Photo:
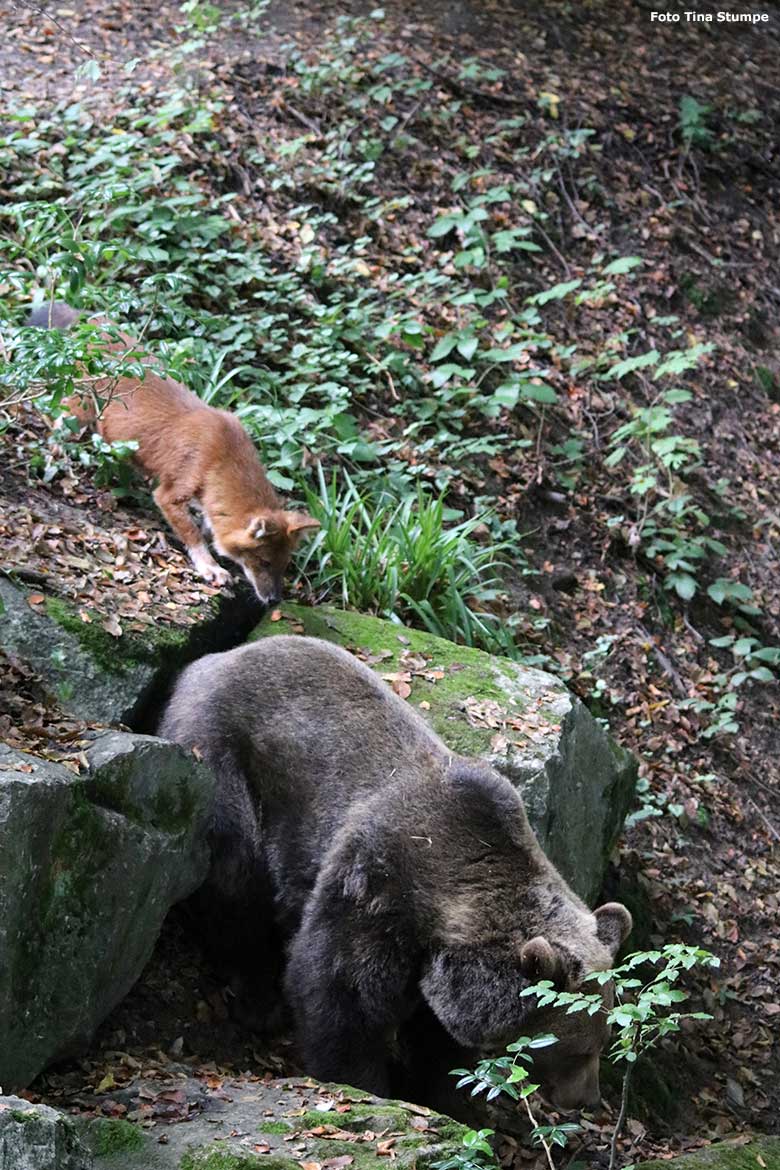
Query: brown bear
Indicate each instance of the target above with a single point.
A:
(386, 874)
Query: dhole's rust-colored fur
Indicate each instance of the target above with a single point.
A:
(198, 455)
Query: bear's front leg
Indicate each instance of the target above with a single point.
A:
(349, 976)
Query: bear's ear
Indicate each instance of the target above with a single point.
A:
(538, 960)
(613, 925)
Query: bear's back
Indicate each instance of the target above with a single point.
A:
(313, 731)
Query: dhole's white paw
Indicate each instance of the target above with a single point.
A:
(217, 575)
(206, 567)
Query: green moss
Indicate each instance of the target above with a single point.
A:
(275, 1127)
(451, 1131)
(91, 636)
(358, 1118)
(116, 655)
(110, 1135)
(221, 1157)
(24, 1115)
(725, 1156)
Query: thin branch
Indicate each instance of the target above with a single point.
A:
(389, 376)
(49, 16)
(621, 1116)
(535, 1124)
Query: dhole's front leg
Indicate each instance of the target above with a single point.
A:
(175, 511)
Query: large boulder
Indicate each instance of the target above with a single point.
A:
(35, 1137)
(90, 864)
(108, 669)
(267, 1125)
(577, 783)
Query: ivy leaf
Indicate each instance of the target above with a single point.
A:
(621, 265)
(628, 365)
(683, 584)
(467, 346)
(556, 293)
(444, 346)
(724, 589)
(443, 225)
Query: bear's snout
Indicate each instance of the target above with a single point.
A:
(579, 1089)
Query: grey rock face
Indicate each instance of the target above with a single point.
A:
(89, 867)
(35, 1137)
(101, 678)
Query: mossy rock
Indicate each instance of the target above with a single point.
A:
(577, 783)
(89, 866)
(105, 679)
(758, 1152)
(35, 1136)
(279, 1125)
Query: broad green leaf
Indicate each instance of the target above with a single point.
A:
(683, 584)
(628, 365)
(444, 346)
(556, 293)
(538, 392)
(621, 265)
(724, 589)
(443, 225)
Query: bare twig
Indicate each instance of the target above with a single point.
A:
(535, 1124)
(665, 663)
(388, 375)
(465, 91)
(49, 16)
(764, 818)
(562, 259)
(621, 1115)
(301, 117)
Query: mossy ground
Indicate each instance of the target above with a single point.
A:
(113, 1135)
(220, 1157)
(759, 1152)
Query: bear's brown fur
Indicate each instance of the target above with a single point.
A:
(396, 874)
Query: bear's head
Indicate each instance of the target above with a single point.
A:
(568, 1071)
(475, 993)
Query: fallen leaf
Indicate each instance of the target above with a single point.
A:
(111, 626)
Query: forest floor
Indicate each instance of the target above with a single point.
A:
(702, 212)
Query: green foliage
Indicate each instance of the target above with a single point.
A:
(508, 1075)
(641, 1015)
(402, 561)
(750, 665)
(476, 1153)
(639, 1018)
(693, 122)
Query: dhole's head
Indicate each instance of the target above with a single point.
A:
(263, 549)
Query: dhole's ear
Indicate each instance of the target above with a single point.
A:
(297, 523)
(613, 925)
(262, 526)
(538, 960)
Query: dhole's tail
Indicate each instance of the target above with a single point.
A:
(53, 315)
